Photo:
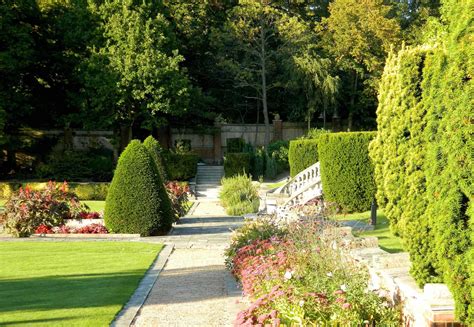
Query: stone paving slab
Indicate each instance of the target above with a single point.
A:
(194, 288)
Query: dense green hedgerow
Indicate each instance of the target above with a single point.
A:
(236, 163)
(423, 154)
(136, 202)
(302, 154)
(347, 172)
(180, 166)
(238, 195)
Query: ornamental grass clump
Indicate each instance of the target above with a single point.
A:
(239, 195)
(305, 278)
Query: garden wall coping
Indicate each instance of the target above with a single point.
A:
(432, 305)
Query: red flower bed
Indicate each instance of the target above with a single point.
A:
(89, 215)
(63, 229)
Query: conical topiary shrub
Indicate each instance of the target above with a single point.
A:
(135, 202)
(154, 148)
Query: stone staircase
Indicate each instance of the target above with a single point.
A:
(208, 181)
(302, 188)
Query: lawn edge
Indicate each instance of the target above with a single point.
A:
(128, 313)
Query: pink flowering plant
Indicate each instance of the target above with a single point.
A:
(304, 278)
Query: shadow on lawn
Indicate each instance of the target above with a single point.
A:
(101, 290)
(67, 291)
(37, 321)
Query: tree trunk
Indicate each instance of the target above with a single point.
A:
(125, 136)
(264, 89)
(352, 103)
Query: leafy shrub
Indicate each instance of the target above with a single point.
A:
(77, 165)
(278, 151)
(236, 163)
(238, 195)
(90, 191)
(302, 154)
(271, 168)
(84, 191)
(26, 209)
(423, 155)
(180, 167)
(257, 163)
(137, 202)
(178, 194)
(235, 145)
(156, 151)
(347, 172)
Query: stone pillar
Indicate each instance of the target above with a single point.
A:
(277, 129)
(217, 143)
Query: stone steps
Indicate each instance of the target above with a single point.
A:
(208, 181)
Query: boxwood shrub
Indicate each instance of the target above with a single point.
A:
(347, 172)
(156, 152)
(302, 154)
(137, 202)
(180, 166)
(236, 163)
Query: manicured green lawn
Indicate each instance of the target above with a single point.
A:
(387, 241)
(69, 283)
(96, 206)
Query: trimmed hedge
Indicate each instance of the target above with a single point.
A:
(155, 149)
(423, 154)
(137, 202)
(347, 173)
(302, 154)
(236, 163)
(180, 167)
(85, 191)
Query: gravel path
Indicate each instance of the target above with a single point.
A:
(194, 288)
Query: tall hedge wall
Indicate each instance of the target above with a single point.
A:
(423, 155)
(347, 172)
(302, 154)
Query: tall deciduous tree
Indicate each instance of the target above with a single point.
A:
(261, 47)
(142, 65)
(358, 34)
(19, 22)
(246, 50)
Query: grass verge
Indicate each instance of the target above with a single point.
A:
(387, 240)
(69, 283)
